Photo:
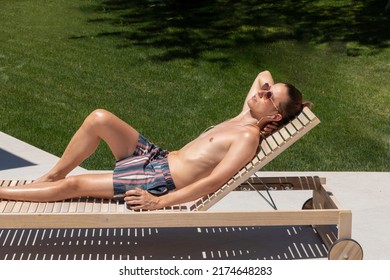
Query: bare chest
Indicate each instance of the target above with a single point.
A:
(214, 143)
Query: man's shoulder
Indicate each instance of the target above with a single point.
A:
(247, 136)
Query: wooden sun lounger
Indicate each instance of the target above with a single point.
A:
(322, 211)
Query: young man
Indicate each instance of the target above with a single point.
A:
(147, 177)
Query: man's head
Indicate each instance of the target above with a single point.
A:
(294, 104)
(280, 102)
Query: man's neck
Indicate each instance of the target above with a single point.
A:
(247, 118)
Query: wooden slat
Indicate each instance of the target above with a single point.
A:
(17, 207)
(25, 207)
(278, 138)
(49, 207)
(265, 148)
(97, 205)
(104, 208)
(303, 119)
(73, 206)
(57, 206)
(65, 206)
(3, 204)
(284, 133)
(291, 129)
(80, 206)
(41, 207)
(261, 155)
(33, 207)
(271, 143)
(4, 183)
(88, 205)
(8, 208)
(114, 206)
(297, 124)
(309, 114)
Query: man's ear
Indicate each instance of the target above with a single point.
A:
(278, 117)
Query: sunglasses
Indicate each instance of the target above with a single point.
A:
(269, 95)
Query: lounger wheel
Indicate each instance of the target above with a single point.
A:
(308, 205)
(345, 249)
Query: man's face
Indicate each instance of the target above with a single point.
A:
(267, 101)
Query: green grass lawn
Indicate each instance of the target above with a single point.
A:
(171, 69)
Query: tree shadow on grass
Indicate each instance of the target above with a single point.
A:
(190, 29)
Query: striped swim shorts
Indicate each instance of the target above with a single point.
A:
(147, 169)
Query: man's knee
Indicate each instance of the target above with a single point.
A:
(64, 189)
(71, 184)
(98, 118)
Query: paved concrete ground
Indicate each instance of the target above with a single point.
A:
(366, 194)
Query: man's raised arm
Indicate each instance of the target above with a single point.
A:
(262, 78)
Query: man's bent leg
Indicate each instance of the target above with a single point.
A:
(99, 125)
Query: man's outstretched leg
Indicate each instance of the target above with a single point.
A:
(93, 185)
(99, 125)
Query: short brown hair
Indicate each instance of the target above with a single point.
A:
(294, 105)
